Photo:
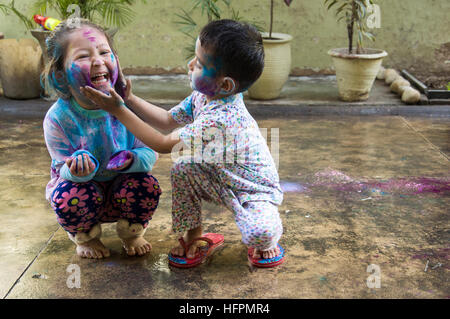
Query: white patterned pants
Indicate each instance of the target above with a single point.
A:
(258, 221)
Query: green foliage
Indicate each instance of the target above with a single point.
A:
(8, 9)
(108, 12)
(209, 10)
(355, 14)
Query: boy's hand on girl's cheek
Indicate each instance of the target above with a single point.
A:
(128, 94)
(123, 85)
(110, 103)
(81, 165)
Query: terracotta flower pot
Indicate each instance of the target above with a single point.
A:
(20, 67)
(277, 66)
(355, 73)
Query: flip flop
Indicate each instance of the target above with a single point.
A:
(266, 262)
(214, 241)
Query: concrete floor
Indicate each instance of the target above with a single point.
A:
(356, 195)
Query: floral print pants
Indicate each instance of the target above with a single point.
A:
(258, 221)
(80, 206)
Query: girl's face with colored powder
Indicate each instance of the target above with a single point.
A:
(203, 72)
(89, 61)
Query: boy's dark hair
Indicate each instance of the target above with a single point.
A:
(237, 47)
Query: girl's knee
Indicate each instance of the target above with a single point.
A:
(76, 204)
(137, 197)
(136, 183)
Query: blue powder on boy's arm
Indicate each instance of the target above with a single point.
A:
(183, 112)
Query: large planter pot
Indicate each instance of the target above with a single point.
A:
(355, 73)
(20, 67)
(277, 66)
(41, 35)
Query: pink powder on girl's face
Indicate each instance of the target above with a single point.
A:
(88, 35)
(89, 53)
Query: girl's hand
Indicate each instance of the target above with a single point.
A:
(111, 103)
(80, 166)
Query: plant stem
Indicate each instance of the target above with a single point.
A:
(350, 28)
(271, 18)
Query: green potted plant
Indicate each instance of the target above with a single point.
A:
(213, 10)
(107, 13)
(277, 66)
(20, 61)
(356, 70)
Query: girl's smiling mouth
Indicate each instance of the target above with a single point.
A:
(100, 79)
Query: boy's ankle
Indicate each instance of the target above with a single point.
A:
(194, 233)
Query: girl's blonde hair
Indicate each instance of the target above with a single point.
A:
(53, 76)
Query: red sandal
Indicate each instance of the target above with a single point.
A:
(214, 241)
(266, 263)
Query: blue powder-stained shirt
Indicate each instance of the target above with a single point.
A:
(70, 130)
(224, 135)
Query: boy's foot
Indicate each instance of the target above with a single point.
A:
(179, 250)
(266, 254)
(190, 236)
(212, 242)
(92, 249)
(136, 245)
(266, 259)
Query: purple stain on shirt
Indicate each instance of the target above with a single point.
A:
(118, 159)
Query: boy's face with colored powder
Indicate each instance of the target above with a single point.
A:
(203, 72)
(89, 61)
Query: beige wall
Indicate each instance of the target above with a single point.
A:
(416, 34)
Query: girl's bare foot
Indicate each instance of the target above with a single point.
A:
(92, 249)
(271, 253)
(190, 235)
(136, 245)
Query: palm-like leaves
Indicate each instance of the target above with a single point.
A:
(212, 9)
(355, 13)
(110, 12)
(7, 9)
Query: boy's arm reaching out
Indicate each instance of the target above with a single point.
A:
(149, 113)
(148, 135)
(152, 114)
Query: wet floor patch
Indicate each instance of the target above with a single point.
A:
(357, 192)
